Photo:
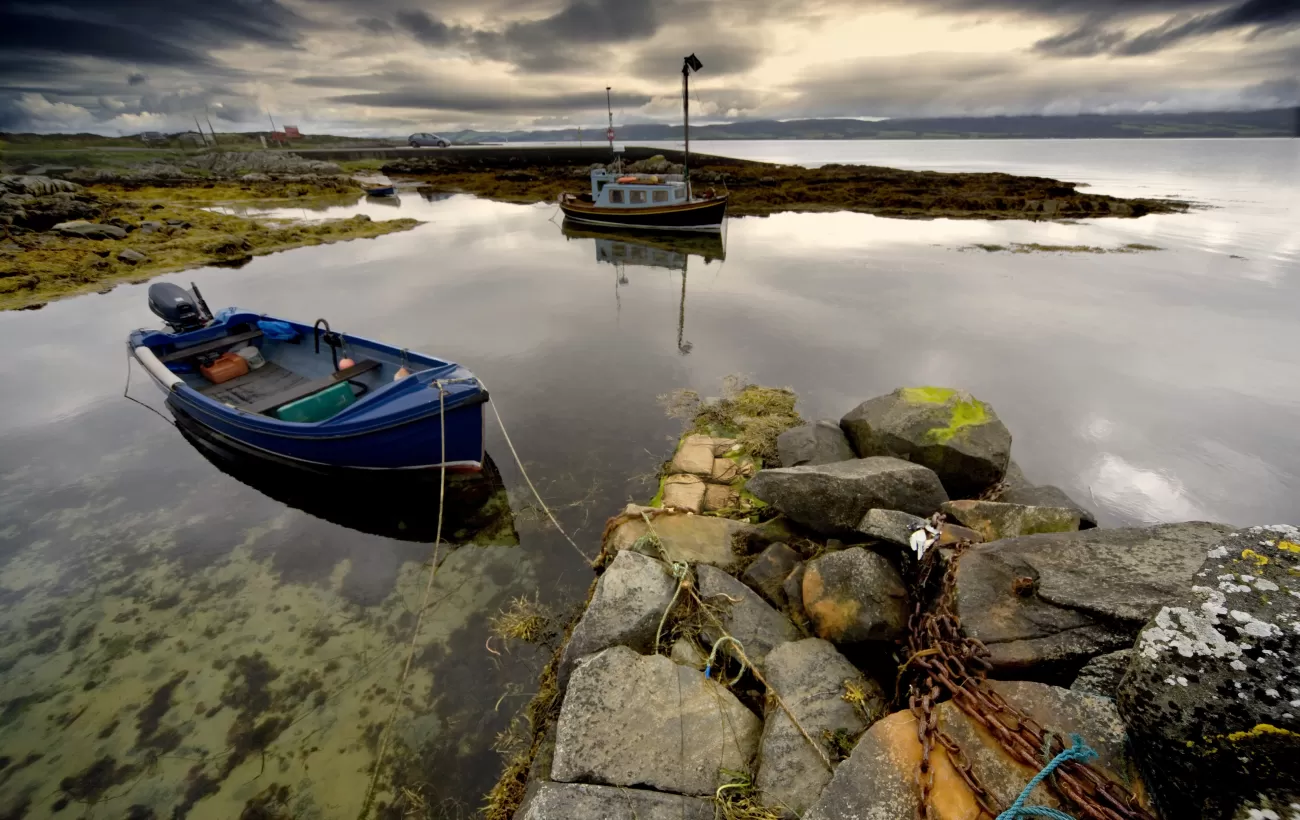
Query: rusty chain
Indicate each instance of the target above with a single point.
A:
(941, 659)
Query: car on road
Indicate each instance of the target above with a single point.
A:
(421, 140)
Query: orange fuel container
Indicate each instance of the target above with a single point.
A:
(225, 368)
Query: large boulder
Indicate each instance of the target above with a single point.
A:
(1050, 602)
(949, 431)
(1212, 696)
(1046, 496)
(624, 718)
(833, 498)
(812, 678)
(1102, 674)
(767, 574)
(580, 801)
(89, 230)
(820, 442)
(629, 602)
(878, 781)
(691, 539)
(36, 185)
(855, 595)
(743, 615)
(995, 520)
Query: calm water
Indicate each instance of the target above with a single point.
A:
(172, 638)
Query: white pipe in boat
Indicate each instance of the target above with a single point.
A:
(156, 368)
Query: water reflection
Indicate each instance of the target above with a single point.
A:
(653, 250)
(394, 504)
(388, 201)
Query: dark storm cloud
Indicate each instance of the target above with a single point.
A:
(720, 59)
(136, 79)
(1260, 15)
(427, 30)
(478, 102)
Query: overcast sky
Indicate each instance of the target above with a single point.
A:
(397, 66)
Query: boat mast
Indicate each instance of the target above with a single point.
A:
(610, 133)
(689, 64)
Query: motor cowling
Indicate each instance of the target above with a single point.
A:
(176, 306)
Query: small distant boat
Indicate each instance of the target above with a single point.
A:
(387, 190)
(643, 201)
(268, 385)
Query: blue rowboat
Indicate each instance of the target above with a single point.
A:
(300, 401)
(387, 190)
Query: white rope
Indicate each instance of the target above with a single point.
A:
(524, 473)
(419, 615)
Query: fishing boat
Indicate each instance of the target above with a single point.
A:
(306, 394)
(653, 202)
(382, 191)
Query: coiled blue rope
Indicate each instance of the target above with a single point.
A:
(1078, 751)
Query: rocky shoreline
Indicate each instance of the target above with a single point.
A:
(764, 640)
(72, 230)
(761, 189)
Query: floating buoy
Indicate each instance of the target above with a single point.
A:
(344, 364)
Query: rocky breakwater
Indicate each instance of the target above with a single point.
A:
(882, 613)
(89, 228)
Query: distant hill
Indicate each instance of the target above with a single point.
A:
(1281, 122)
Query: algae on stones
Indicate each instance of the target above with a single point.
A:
(966, 410)
(751, 414)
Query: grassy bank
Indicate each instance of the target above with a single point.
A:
(760, 189)
(38, 267)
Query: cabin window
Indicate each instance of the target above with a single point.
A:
(636, 197)
(616, 195)
(660, 196)
(681, 193)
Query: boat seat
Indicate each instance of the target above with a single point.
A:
(209, 347)
(302, 391)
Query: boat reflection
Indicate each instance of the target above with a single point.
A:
(654, 250)
(395, 504)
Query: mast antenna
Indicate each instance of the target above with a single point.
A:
(689, 64)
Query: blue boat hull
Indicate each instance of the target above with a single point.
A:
(429, 419)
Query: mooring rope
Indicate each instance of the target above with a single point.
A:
(1079, 752)
(419, 615)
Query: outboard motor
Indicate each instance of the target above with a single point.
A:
(182, 310)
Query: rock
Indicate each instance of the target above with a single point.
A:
(744, 616)
(180, 224)
(1015, 479)
(767, 574)
(878, 781)
(725, 471)
(810, 676)
(89, 230)
(949, 431)
(626, 608)
(693, 539)
(150, 225)
(821, 442)
(1269, 806)
(1101, 675)
(255, 177)
(833, 498)
(36, 185)
(720, 497)
(684, 492)
(950, 534)
(1047, 496)
(579, 801)
(1212, 696)
(624, 717)
(793, 589)
(995, 520)
(1050, 602)
(891, 525)
(695, 456)
(131, 256)
(855, 595)
(686, 653)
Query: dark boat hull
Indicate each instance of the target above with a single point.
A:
(690, 216)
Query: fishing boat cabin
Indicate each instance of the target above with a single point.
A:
(656, 202)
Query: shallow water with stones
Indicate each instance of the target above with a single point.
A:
(187, 637)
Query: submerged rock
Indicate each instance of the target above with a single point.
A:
(1046, 496)
(626, 608)
(821, 442)
(1101, 675)
(692, 539)
(579, 801)
(855, 595)
(1050, 602)
(833, 498)
(878, 781)
(745, 616)
(811, 677)
(995, 520)
(949, 431)
(767, 574)
(1212, 696)
(624, 718)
